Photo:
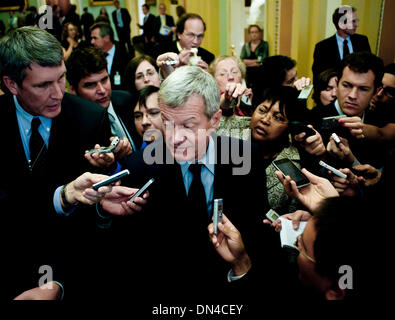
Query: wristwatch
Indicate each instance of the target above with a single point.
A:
(67, 206)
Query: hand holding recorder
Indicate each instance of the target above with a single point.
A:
(102, 156)
(296, 217)
(80, 190)
(230, 246)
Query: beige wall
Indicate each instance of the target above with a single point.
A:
(387, 43)
(209, 11)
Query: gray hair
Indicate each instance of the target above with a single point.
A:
(187, 81)
(25, 46)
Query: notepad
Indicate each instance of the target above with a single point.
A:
(287, 234)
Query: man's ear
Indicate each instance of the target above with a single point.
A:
(11, 85)
(215, 119)
(335, 294)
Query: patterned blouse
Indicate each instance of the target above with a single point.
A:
(234, 126)
(278, 199)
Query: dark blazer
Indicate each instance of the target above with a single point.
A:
(326, 52)
(123, 103)
(34, 234)
(170, 23)
(149, 27)
(126, 19)
(206, 55)
(173, 255)
(121, 59)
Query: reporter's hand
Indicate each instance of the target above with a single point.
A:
(202, 65)
(49, 291)
(355, 125)
(276, 224)
(117, 201)
(346, 186)
(311, 195)
(161, 63)
(368, 169)
(124, 148)
(341, 151)
(296, 217)
(233, 90)
(301, 83)
(80, 190)
(100, 159)
(184, 56)
(229, 245)
(313, 144)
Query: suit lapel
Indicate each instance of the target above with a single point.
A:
(16, 138)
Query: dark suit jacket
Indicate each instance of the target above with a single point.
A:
(149, 27)
(206, 55)
(326, 52)
(126, 19)
(170, 23)
(123, 103)
(173, 257)
(121, 59)
(35, 235)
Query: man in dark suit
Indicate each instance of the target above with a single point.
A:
(192, 167)
(46, 135)
(87, 21)
(88, 78)
(329, 52)
(148, 25)
(190, 33)
(122, 19)
(102, 38)
(32, 17)
(164, 27)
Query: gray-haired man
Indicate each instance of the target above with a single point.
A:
(46, 135)
(191, 166)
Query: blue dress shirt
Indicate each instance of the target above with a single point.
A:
(340, 41)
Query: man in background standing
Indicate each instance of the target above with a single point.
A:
(122, 19)
(329, 52)
(164, 25)
(87, 21)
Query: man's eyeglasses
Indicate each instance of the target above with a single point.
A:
(388, 91)
(302, 252)
(192, 36)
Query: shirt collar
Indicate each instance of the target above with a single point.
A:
(111, 52)
(26, 118)
(341, 40)
(179, 46)
(111, 108)
(208, 160)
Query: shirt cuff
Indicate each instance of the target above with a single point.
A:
(232, 277)
(356, 162)
(61, 288)
(58, 205)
